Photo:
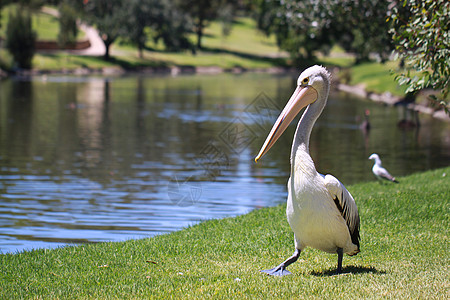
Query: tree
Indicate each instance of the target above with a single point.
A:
(20, 38)
(305, 27)
(202, 12)
(172, 27)
(163, 18)
(110, 17)
(360, 27)
(138, 20)
(301, 27)
(68, 29)
(422, 41)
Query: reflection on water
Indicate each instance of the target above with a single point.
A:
(89, 159)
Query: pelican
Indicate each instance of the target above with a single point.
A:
(380, 172)
(320, 211)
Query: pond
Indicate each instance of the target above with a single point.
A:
(92, 159)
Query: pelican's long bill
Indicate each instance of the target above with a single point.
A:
(302, 96)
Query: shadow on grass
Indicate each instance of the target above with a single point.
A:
(87, 61)
(127, 65)
(349, 270)
(277, 61)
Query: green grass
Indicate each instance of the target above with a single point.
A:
(404, 255)
(377, 77)
(46, 26)
(245, 47)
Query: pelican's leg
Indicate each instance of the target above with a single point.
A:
(280, 270)
(340, 253)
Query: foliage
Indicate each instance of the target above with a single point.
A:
(68, 29)
(305, 27)
(171, 26)
(422, 42)
(162, 20)
(1, 6)
(301, 27)
(204, 11)
(133, 19)
(20, 38)
(404, 254)
(360, 27)
(109, 16)
(137, 21)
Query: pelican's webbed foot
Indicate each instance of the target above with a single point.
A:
(281, 269)
(277, 271)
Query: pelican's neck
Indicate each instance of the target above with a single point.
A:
(305, 126)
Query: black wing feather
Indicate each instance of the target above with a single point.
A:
(354, 234)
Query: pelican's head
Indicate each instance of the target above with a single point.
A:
(312, 84)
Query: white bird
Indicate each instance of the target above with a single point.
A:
(321, 212)
(380, 172)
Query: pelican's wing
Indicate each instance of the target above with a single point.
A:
(345, 204)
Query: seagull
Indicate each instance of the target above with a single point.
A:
(380, 172)
(320, 211)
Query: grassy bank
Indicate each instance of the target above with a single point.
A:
(404, 254)
(245, 48)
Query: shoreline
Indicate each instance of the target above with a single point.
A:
(392, 100)
(357, 90)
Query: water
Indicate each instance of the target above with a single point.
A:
(91, 159)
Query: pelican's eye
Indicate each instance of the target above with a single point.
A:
(305, 81)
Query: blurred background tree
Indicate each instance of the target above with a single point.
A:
(20, 38)
(202, 12)
(422, 41)
(360, 27)
(68, 28)
(172, 26)
(109, 17)
(140, 13)
(304, 28)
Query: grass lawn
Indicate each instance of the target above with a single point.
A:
(46, 26)
(377, 77)
(404, 254)
(245, 47)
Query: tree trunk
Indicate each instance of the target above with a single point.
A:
(106, 56)
(200, 32)
(199, 37)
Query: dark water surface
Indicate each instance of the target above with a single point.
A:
(91, 159)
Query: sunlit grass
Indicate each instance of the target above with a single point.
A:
(244, 38)
(377, 77)
(45, 25)
(245, 47)
(404, 255)
(235, 50)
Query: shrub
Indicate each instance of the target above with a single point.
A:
(20, 38)
(68, 28)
